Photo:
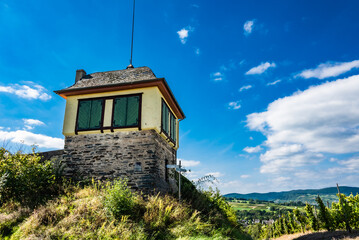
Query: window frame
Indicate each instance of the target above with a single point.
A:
(170, 113)
(139, 111)
(78, 111)
(111, 128)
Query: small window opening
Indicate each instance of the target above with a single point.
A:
(138, 167)
(166, 170)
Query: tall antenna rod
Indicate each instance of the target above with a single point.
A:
(133, 29)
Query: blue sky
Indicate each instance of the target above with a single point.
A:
(270, 88)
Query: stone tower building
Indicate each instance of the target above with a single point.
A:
(121, 124)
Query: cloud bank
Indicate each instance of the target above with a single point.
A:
(29, 139)
(302, 128)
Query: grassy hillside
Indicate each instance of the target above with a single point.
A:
(89, 213)
(37, 203)
(308, 195)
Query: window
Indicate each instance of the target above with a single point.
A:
(166, 170)
(126, 111)
(168, 122)
(138, 167)
(173, 127)
(89, 115)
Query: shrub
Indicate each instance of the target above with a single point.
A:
(25, 179)
(343, 212)
(324, 215)
(118, 199)
(213, 209)
(313, 221)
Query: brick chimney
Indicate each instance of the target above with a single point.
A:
(79, 75)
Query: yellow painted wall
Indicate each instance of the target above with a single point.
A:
(108, 112)
(150, 115)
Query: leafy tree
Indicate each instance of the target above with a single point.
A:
(255, 231)
(292, 224)
(312, 218)
(300, 218)
(25, 179)
(324, 215)
(354, 202)
(343, 213)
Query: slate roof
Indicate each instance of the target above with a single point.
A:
(131, 75)
(110, 79)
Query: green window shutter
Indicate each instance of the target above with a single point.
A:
(96, 113)
(83, 119)
(132, 111)
(126, 112)
(173, 128)
(165, 118)
(89, 115)
(120, 113)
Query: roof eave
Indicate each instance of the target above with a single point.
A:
(67, 92)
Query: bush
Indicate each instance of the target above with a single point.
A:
(119, 200)
(25, 179)
(213, 209)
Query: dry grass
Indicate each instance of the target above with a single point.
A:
(81, 214)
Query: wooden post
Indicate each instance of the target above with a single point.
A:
(179, 181)
(338, 189)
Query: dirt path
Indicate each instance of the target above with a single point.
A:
(337, 235)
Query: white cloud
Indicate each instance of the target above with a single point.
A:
(215, 174)
(34, 122)
(28, 92)
(281, 179)
(329, 69)
(245, 176)
(252, 149)
(217, 76)
(274, 83)
(183, 34)
(303, 127)
(261, 68)
(246, 87)
(234, 105)
(29, 139)
(197, 51)
(352, 165)
(30, 123)
(188, 163)
(248, 27)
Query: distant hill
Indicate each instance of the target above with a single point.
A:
(307, 195)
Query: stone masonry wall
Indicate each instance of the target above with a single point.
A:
(140, 156)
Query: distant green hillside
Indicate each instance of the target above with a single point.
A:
(308, 195)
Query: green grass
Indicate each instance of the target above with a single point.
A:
(88, 213)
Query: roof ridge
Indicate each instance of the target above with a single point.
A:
(127, 69)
